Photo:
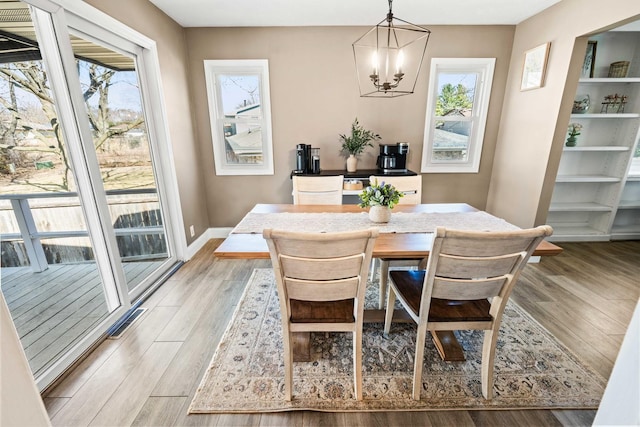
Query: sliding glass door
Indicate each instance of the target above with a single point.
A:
(121, 142)
(83, 216)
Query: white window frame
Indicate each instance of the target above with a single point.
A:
(216, 114)
(485, 68)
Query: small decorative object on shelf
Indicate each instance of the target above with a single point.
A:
(353, 184)
(574, 131)
(356, 143)
(619, 69)
(380, 199)
(613, 104)
(581, 104)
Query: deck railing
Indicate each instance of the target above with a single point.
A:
(32, 237)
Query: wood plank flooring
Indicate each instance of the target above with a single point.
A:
(585, 297)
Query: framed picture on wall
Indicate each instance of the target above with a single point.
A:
(535, 67)
(589, 59)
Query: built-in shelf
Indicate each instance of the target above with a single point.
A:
(597, 148)
(587, 178)
(629, 204)
(611, 80)
(579, 207)
(572, 233)
(606, 116)
(626, 229)
(625, 232)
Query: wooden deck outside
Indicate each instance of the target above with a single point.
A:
(53, 309)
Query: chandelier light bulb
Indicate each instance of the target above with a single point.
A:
(374, 62)
(399, 62)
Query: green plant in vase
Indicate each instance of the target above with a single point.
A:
(574, 131)
(380, 199)
(356, 143)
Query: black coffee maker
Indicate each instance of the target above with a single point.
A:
(393, 158)
(307, 159)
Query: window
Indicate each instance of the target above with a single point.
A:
(240, 114)
(459, 91)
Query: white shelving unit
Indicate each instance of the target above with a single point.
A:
(626, 224)
(593, 198)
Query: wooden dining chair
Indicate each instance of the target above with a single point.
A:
(321, 279)
(411, 187)
(317, 190)
(466, 285)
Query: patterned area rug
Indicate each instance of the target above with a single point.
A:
(246, 374)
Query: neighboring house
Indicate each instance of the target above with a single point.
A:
(451, 138)
(243, 146)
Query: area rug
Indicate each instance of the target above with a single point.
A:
(246, 374)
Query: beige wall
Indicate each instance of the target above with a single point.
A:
(145, 18)
(314, 98)
(533, 123)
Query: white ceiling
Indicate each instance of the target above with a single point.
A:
(265, 13)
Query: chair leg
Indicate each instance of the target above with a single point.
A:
(357, 362)
(488, 356)
(384, 277)
(419, 360)
(288, 365)
(388, 317)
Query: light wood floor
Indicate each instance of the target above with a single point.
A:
(584, 296)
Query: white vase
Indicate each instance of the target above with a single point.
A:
(352, 163)
(379, 213)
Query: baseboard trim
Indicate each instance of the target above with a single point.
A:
(210, 233)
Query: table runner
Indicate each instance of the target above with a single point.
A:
(401, 222)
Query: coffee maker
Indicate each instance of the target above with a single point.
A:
(393, 158)
(307, 160)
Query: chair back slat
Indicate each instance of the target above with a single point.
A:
(317, 190)
(411, 186)
(457, 267)
(491, 245)
(321, 248)
(322, 268)
(456, 289)
(329, 290)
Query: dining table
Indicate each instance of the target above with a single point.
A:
(408, 235)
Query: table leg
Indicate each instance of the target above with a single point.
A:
(301, 342)
(445, 341)
(448, 346)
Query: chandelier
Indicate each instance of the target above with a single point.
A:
(389, 56)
